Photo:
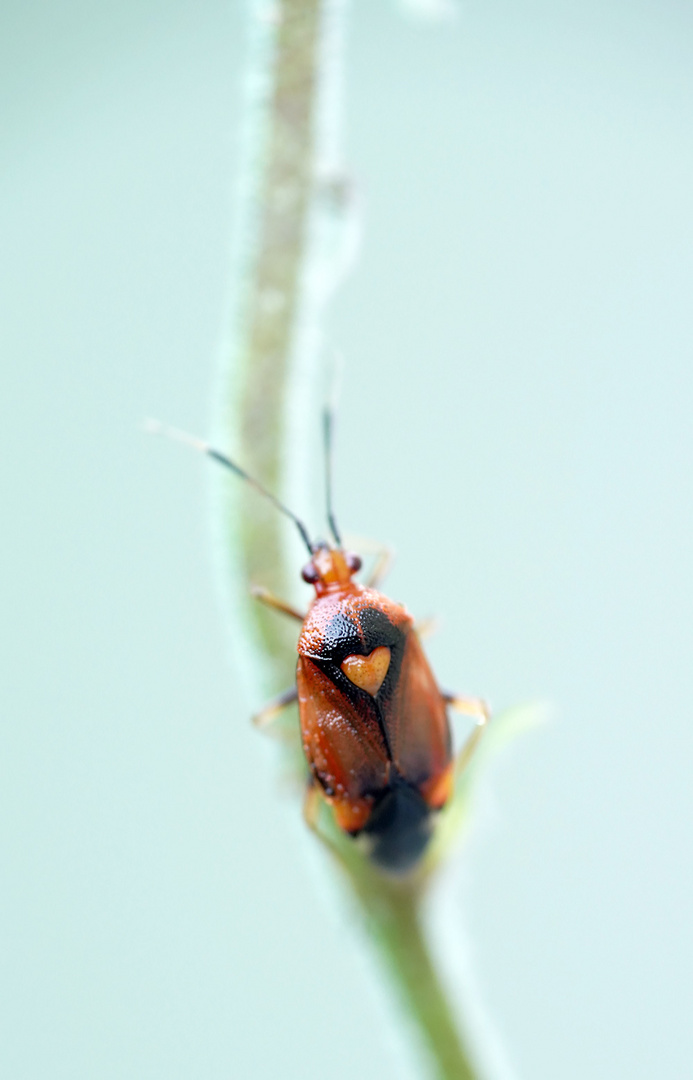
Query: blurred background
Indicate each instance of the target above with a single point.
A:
(516, 421)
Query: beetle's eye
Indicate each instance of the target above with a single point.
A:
(353, 562)
(310, 574)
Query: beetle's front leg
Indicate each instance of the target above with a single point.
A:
(424, 628)
(381, 568)
(270, 600)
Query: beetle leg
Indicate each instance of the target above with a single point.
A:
(472, 707)
(266, 597)
(425, 627)
(311, 805)
(381, 567)
(273, 708)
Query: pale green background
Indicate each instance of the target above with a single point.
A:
(516, 420)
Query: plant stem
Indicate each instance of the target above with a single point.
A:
(269, 340)
(392, 909)
(277, 187)
(395, 922)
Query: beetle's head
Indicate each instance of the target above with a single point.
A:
(330, 569)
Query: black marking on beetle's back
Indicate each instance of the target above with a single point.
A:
(343, 637)
(399, 827)
(340, 638)
(377, 629)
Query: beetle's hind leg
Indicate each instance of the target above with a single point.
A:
(270, 600)
(269, 712)
(469, 706)
(479, 710)
(312, 805)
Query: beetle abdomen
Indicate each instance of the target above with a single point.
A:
(399, 827)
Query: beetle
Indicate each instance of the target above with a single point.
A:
(374, 723)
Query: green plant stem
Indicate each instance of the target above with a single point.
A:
(394, 919)
(279, 193)
(393, 912)
(277, 189)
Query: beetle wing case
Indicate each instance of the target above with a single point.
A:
(382, 759)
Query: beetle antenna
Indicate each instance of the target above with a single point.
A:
(153, 427)
(328, 424)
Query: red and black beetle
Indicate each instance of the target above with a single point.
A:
(374, 722)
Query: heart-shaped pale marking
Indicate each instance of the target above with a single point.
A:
(368, 672)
